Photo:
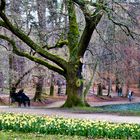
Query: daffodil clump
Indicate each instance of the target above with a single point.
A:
(58, 125)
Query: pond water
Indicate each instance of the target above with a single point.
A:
(123, 107)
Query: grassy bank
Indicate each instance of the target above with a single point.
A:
(10, 135)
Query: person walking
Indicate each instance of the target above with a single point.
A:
(59, 84)
(120, 91)
(130, 95)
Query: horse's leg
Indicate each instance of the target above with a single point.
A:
(19, 104)
(29, 103)
(24, 103)
(19, 100)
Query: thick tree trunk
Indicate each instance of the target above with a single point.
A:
(100, 90)
(117, 85)
(39, 89)
(74, 90)
(52, 85)
(73, 97)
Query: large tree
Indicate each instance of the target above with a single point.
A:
(76, 42)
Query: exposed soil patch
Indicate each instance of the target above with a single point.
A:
(4, 100)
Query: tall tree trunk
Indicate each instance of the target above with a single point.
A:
(52, 85)
(10, 74)
(74, 88)
(117, 84)
(52, 89)
(73, 99)
(41, 11)
(99, 89)
(16, 64)
(109, 86)
(39, 89)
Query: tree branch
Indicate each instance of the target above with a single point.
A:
(4, 47)
(29, 31)
(2, 5)
(21, 78)
(83, 6)
(35, 59)
(59, 44)
(92, 20)
(121, 25)
(87, 33)
(3, 24)
(20, 34)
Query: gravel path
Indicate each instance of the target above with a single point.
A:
(67, 114)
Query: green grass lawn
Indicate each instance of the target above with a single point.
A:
(124, 109)
(9, 135)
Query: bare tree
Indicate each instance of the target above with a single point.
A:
(77, 44)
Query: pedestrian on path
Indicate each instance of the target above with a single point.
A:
(120, 91)
(59, 84)
(130, 95)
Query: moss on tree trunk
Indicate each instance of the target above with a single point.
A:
(73, 98)
(74, 89)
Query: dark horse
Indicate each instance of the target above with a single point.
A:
(19, 97)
